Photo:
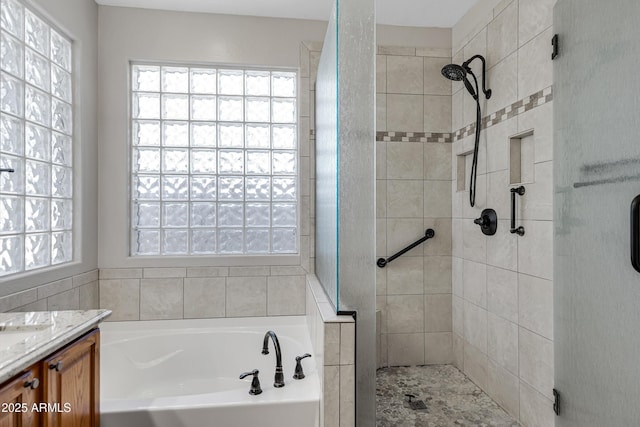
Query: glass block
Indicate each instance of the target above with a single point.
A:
(230, 241)
(11, 17)
(231, 188)
(257, 109)
(258, 188)
(61, 83)
(11, 254)
(37, 70)
(61, 149)
(284, 162)
(175, 160)
(11, 135)
(146, 188)
(11, 215)
(230, 135)
(36, 251)
(36, 33)
(146, 215)
(61, 51)
(230, 214)
(203, 134)
(37, 106)
(175, 188)
(203, 188)
(284, 215)
(61, 182)
(283, 110)
(203, 107)
(203, 80)
(175, 242)
(175, 215)
(230, 162)
(146, 242)
(257, 240)
(61, 214)
(146, 160)
(230, 82)
(38, 181)
(37, 214)
(258, 136)
(175, 79)
(11, 94)
(37, 142)
(145, 78)
(203, 214)
(11, 55)
(284, 84)
(258, 162)
(61, 247)
(175, 107)
(257, 83)
(12, 183)
(284, 136)
(203, 241)
(146, 132)
(283, 240)
(146, 106)
(175, 134)
(61, 117)
(203, 161)
(258, 215)
(230, 109)
(284, 188)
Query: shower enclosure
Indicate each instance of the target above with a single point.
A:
(596, 174)
(345, 182)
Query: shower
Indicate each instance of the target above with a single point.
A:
(458, 73)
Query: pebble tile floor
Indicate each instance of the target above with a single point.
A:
(451, 399)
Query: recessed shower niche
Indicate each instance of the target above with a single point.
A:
(521, 158)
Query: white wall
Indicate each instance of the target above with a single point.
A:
(79, 20)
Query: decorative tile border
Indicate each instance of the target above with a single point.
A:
(530, 102)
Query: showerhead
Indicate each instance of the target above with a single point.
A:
(454, 72)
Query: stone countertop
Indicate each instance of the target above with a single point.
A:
(26, 338)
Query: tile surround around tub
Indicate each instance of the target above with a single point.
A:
(79, 292)
(202, 292)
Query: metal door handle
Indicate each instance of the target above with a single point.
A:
(519, 230)
(635, 233)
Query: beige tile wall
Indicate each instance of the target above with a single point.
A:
(78, 292)
(413, 193)
(202, 292)
(502, 289)
(333, 340)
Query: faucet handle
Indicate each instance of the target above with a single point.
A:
(299, 374)
(255, 382)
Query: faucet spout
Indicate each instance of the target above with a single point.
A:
(279, 377)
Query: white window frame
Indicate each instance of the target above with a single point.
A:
(240, 257)
(55, 52)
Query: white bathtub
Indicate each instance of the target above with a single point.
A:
(184, 373)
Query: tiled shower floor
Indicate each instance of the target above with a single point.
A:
(451, 399)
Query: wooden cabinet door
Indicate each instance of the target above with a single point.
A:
(17, 398)
(72, 384)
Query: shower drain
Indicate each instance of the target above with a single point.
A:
(416, 405)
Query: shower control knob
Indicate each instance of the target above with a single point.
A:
(488, 222)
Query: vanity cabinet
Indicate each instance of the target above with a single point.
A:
(62, 390)
(17, 397)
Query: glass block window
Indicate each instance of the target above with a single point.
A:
(36, 133)
(213, 161)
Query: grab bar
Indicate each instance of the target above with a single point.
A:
(520, 230)
(428, 234)
(9, 170)
(635, 233)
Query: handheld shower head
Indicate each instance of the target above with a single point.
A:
(458, 73)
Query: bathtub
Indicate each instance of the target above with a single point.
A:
(184, 373)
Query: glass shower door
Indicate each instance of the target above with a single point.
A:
(597, 175)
